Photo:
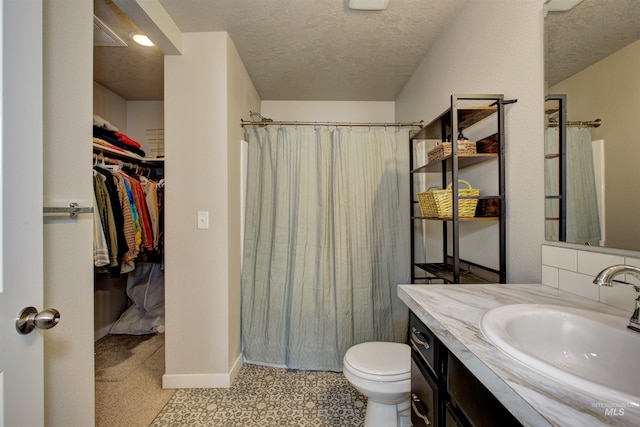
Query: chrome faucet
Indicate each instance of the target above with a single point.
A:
(605, 278)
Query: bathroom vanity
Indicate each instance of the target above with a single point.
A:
(459, 378)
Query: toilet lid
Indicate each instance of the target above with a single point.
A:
(380, 361)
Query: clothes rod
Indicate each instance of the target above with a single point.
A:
(347, 124)
(592, 124)
(122, 164)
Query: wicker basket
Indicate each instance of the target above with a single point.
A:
(442, 150)
(437, 203)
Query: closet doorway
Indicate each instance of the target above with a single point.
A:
(128, 163)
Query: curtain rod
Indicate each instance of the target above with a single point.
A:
(592, 124)
(272, 123)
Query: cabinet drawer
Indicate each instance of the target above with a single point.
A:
(470, 396)
(424, 396)
(424, 344)
(451, 419)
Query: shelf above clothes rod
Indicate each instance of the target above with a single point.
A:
(121, 155)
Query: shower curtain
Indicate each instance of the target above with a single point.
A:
(583, 224)
(326, 243)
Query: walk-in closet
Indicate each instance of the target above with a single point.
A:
(129, 184)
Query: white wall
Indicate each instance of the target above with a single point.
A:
(202, 163)
(329, 111)
(495, 46)
(68, 243)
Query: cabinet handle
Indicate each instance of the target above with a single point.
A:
(414, 401)
(414, 338)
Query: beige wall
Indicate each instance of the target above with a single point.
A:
(242, 97)
(143, 115)
(495, 46)
(610, 90)
(206, 89)
(110, 106)
(330, 111)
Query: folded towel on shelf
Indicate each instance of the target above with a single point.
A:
(102, 123)
(126, 140)
(112, 138)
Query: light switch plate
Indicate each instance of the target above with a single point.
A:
(203, 220)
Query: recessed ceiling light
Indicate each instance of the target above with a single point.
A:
(368, 4)
(141, 39)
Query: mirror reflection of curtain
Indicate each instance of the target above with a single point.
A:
(326, 243)
(583, 224)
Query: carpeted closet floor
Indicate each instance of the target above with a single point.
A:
(129, 393)
(129, 373)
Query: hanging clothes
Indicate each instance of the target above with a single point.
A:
(100, 247)
(150, 190)
(106, 216)
(128, 211)
(128, 227)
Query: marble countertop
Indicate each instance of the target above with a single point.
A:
(453, 313)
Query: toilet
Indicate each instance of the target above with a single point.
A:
(382, 372)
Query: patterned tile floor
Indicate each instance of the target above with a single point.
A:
(265, 396)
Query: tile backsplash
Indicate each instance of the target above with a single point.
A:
(573, 270)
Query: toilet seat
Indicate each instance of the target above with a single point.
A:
(379, 361)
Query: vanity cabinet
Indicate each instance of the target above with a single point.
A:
(443, 391)
(427, 379)
(484, 114)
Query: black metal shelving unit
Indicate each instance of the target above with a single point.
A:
(556, 107)
(465, 112)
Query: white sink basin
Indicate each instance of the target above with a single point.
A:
(590, 351)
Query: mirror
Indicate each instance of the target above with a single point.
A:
(592, 57)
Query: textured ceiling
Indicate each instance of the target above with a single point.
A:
(588, 33)
(134, 72)
(321, 50)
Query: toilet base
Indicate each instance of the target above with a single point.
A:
(404, 414)
(388, 415)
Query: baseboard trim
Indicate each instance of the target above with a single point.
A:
(102, 332)
(202, 380)
(236, 368)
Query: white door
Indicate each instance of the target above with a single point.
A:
(21, 278)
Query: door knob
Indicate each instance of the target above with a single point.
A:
(29, 319)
